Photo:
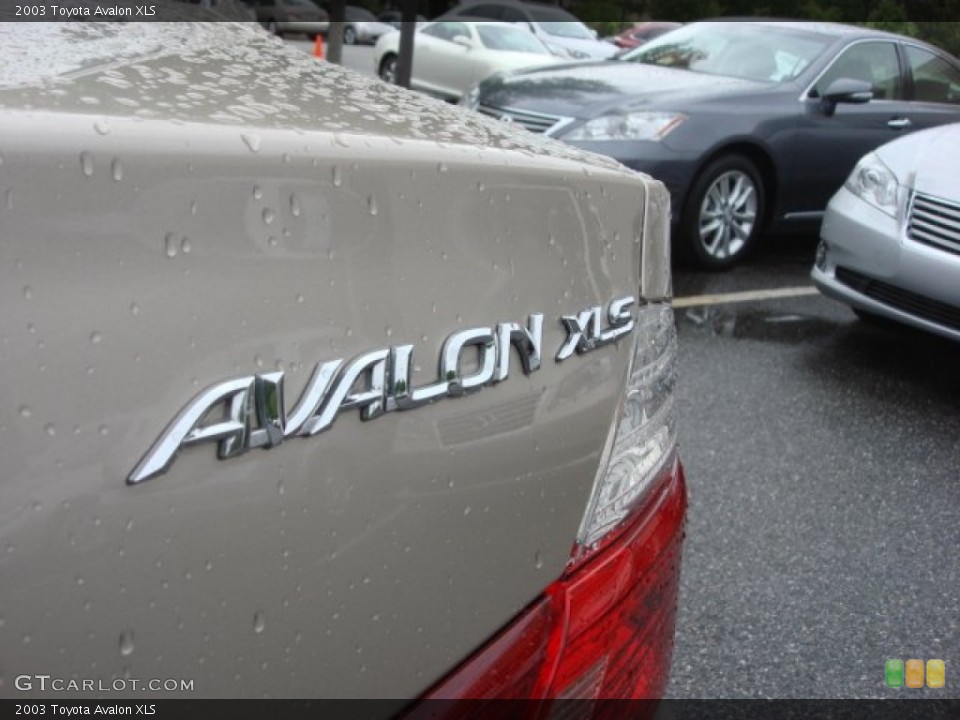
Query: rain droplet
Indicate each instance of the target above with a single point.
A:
(481, 187)
(272, 241)
(193, 207)
(27, 292)
(337, 177)
(86, 163)
(117, 170)
(257, 192)
(101, 126)
(295, 205)
(299, 299)
(466, 510)
(372, 205)
(269, 215)
(442, 167)
(49, 429)
(95, 337)
(103, 430)
(134, 309)
(185, 245)
(126, 643)
(170, 243)
(259, 622)
(538, 560)
(251, 140)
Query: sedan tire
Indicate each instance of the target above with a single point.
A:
(388, 69)
(724, 213)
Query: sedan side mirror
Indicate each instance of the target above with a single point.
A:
(463, 41)
(845, 90)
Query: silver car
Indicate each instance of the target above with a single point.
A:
(315, 387)
(890, 242)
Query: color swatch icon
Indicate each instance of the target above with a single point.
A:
(897, 673)
(935, 673)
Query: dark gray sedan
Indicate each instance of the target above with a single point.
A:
(749, 124)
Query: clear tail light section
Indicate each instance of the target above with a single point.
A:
(643, 437)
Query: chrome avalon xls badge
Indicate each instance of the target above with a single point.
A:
(375, 382)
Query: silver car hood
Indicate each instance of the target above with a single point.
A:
(204, 203)
(927, 161)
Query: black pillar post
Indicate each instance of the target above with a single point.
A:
(408, 23)
(335, 33)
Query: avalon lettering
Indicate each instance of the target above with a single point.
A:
(374, 383)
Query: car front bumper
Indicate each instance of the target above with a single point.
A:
(866, 260)
(674, 168)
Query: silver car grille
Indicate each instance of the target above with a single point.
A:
(935, 221)
(532, 121)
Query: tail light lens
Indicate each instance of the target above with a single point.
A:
(604, 630)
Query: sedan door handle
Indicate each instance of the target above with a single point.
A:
(899, 123)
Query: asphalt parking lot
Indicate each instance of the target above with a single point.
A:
(824, 475)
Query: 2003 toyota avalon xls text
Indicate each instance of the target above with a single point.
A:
(316, 387)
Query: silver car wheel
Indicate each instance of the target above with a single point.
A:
(728, 214)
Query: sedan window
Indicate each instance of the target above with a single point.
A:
(510, 39)
(447, 30)
(872, 62)
(934, 79)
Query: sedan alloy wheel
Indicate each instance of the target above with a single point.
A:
(724, 214)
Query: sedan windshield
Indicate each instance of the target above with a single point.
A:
(767, 53)
(569, 27)
(510, 39)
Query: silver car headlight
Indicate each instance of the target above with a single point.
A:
(628, 126)
(874, 183)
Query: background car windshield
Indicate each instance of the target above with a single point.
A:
(768, 53)
(560, 24)
(510, 39)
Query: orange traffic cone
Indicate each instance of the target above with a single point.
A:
(318, 47)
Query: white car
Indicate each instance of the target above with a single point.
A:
(450, 56)
(361, 26)
(890, 241)
(562, 32)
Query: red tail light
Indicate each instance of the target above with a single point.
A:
(602, 631)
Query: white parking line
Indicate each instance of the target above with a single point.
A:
(748, 296)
